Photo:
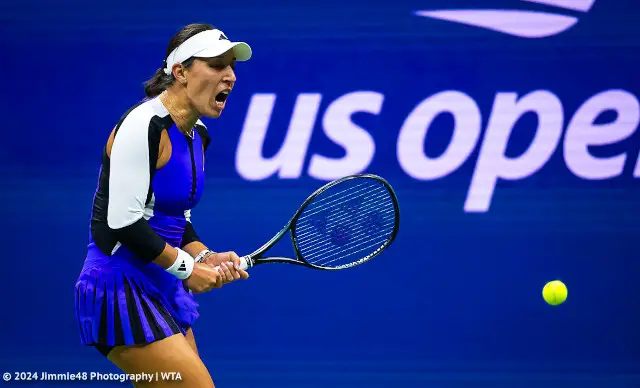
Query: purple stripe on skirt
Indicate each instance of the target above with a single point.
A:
(81, 321)
(110, 291)
(148, 334)
(164, 325)
(89, 291)
(124, 308)
(97, 310)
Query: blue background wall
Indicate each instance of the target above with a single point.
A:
(456, 300)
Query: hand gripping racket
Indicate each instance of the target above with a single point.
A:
(342, 224)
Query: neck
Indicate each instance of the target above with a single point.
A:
(181, 112)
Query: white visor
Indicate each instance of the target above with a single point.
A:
(207, 44)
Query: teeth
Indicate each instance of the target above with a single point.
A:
(222, 97)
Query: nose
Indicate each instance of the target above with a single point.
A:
(229, 75)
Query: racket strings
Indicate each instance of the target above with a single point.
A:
(367, 248)
(346, 224)
(368, 202)
(327, 221)
(326, 205)
(361, 226)
(344, 216)
(331, 254)
(321, 200)
(348, 254)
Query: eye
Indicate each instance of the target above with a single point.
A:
(222, 66)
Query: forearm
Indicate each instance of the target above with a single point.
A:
(167, 257)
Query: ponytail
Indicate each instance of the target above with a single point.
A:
(158, 83)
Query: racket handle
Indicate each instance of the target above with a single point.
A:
(245, 262)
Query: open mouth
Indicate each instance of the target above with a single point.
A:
(221, 98)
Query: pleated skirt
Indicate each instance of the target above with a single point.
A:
(119, 301)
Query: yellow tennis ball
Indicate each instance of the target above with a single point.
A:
(555, 292)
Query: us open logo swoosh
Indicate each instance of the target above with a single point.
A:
(520, 23)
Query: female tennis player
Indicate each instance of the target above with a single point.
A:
(134, 296)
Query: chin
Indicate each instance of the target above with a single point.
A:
(212, 114)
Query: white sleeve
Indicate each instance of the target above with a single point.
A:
(129, 171)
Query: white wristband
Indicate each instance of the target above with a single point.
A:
(183, 266)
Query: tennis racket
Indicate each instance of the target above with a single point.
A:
(342, 224)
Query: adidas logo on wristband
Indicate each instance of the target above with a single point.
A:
(183, 266)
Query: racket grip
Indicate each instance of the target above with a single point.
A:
(244, 263)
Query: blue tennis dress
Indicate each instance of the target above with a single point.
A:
(121, 297)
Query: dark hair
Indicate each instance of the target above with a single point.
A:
(161, 81)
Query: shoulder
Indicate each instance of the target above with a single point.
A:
(139, 129)
(145, 116)
(203, 132)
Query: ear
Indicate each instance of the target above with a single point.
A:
(179, 73)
